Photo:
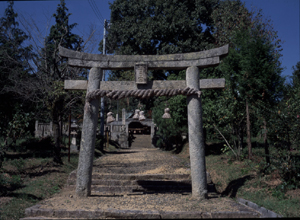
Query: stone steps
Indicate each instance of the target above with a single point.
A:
(96, 176)
(130, 183)
(144, 183)
(35, 213)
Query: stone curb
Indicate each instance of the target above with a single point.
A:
(265, 213)
(35, 212)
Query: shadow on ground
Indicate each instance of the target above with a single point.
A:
(234, 185)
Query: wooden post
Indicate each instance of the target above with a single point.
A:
(87, 144)
(196, 141)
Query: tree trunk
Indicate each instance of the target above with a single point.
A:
(266, 143)
(248, 132)
(56, 132)
(56, 136)
(241, 140)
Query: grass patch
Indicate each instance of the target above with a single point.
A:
(37, 179)
(27, 178)
(244, 179)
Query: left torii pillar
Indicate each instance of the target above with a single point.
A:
(88, 137)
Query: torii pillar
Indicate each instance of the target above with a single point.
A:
(196, 139)
(88, 137)
(189, 61)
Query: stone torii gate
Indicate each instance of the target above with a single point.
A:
(141, 88)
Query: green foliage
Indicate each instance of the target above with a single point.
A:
(14, 67)
(251, 70)
(170, 130)
(159, 27)
(56, 101)
(229, 18)
(26, 191)
(284, 133)
(17, 128)
(240, 180)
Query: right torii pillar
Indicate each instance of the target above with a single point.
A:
(196, 139)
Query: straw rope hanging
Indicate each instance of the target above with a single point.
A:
(140, 93)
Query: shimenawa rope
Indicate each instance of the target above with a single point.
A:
(140, 93)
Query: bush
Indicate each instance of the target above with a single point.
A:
(169, 130)
(284, 136)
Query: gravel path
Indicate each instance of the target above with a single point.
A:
(141, 158)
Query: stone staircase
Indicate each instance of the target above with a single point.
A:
(125, 177)
(137, 183)
(124, 184)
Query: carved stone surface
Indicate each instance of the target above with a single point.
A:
(75, 84)
(202, 59)
(220, 51)
(142, 116)
(167, 113)
(110, 117)
(191, 61)
(156, 84)
(140, 73)
(136, 114)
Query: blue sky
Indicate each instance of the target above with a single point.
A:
(87, 13)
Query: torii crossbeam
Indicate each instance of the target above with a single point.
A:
(141, 63)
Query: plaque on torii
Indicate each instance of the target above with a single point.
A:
(141, 63)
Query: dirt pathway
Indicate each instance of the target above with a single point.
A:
(121, 182)
(140, 158)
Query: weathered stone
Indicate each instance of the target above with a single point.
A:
(220, 51)
(196, 141)
(180, 215)
(123, 140)
(136, 114)
(140, 73)
(87, 145)
(123, 116)
(174, 61)
(156, 84)
(167, 113)
(173, 65)
(208, 178)
(131, 214)
(142, 116)
(110, 117)
(184, 60)
(263, 211)
(75, 84)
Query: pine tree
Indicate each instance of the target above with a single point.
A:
(13, 68)
(55, 69)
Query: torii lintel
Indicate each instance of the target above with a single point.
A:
(200, 59)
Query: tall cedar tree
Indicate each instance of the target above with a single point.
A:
(55, 68)
(283, 133)
(13, 65)
(252, 68)
(222, 109)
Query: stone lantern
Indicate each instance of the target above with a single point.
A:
(167, 113)
(110, 117)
